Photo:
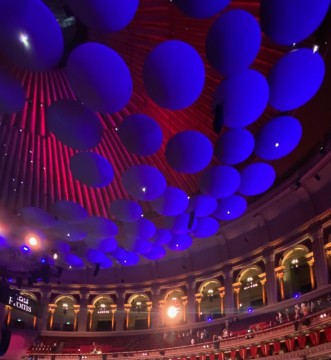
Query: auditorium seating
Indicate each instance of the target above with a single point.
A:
(132, 344)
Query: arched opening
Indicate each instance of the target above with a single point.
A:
(210, 300)
(138, 314)
(21, 319)
(101, 318)
(174, 310)
(65, 316)
(296, 271)
(248, 293)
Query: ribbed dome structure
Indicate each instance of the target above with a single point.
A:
(36, 168)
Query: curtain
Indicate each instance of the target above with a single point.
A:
(221, 356)
(276, 346)
(233, 354)
(253, 351)
(289, 344)
(265, 349)
(302, 341)
(328, 334)
(243, 353)
(315, 337)
(212, 356)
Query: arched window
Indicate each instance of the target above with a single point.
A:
(210, 300)
(65, 316)
(101, 314)
(138, 315)
(296, 271)
(174, 308)
(249, 288)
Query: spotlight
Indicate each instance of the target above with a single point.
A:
(296, 296)
(43, 260)
(96, 270)
(172, 312)
(33, 241)
(55, 255)
(249, 310)
(25, 249)
(24, 39)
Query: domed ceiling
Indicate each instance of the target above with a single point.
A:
(130, 130)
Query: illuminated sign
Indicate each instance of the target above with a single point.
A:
(18, 301)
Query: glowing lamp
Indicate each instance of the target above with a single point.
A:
(25, 249)
(33, 241)
(172, 312)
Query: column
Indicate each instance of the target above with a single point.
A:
(321, 265)
(113, 309)
(90, 310)
(45, 298)
(156, 314)
(327, 248)
(162, 304)
(184, 302)
(198, 299)
(191, 314)
(236, 290)
(51, 311)
(310, 262)
(76, 311)
(8, 315)
(149, 309)
(222, 294)
(263, 281)
(120, 315)
(228, 299)
(271, 283)
(83, 311)
(279, 273)
(127, 308)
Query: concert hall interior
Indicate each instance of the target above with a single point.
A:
(165, 179)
